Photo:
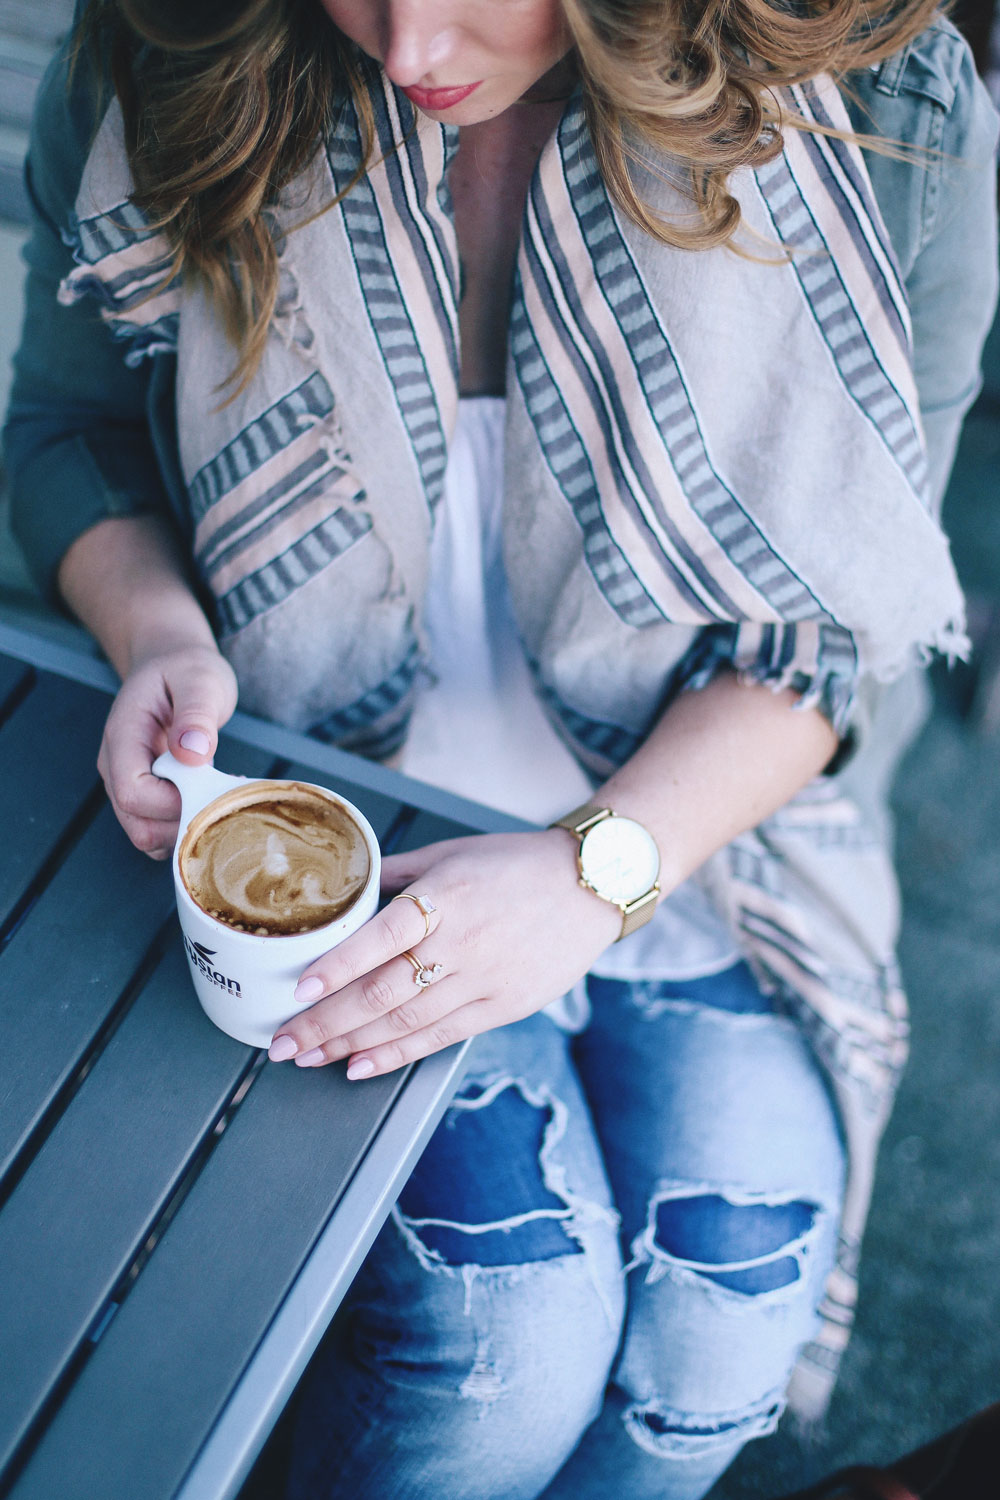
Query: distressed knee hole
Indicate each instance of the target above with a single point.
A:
(656, 1423)
(747, 1247)
(669, 1433)
(480, 1194)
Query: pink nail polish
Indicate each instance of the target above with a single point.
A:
(362, 1068)
(282, 1048)
(311, 1059)
(308, 989)
(196, 741)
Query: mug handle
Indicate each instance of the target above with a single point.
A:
(198, 785)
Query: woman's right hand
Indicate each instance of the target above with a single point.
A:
(176, 700)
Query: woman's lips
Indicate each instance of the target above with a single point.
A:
(438, 99)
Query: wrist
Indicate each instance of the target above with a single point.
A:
(125, 579)
(169, 638)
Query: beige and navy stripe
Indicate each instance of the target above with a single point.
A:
(252, 448)
(837, 161)
(274, 507)
(618, 425)
(601, 741)
(874, 369)
(376, 721)
(407, 273)
(121, 260)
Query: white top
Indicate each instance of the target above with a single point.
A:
(479, 728)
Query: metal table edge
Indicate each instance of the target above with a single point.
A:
(230, 1451)
(292, 744)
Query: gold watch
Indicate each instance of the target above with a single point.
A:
(618, 860)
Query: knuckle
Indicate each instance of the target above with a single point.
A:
(391, 1056)
(335, 973)
(471, 939)
(146, 838)
(376, 995)
(405, 1017)
(442, 1034)
(394, 929)
(310, 1031)
(129, 800)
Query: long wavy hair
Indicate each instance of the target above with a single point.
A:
(225, 101)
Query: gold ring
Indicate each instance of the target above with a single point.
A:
(423, 904)
(424, 974)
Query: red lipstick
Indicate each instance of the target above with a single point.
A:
(438, 99)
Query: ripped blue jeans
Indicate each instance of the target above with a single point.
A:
(599, 1276)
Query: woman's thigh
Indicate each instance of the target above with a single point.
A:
(478, 1338)
(725, 1159)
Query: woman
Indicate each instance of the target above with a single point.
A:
(381, 270)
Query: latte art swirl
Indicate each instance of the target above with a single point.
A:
(275, 864)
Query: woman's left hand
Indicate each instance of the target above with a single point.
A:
(512, 930)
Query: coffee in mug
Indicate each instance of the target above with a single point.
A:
(269, 876)
(274, 858)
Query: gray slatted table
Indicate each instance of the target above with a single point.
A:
(178, 1218)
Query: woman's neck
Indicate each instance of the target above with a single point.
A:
(489, 181)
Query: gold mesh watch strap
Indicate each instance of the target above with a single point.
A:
(638, 912)
(582, 818)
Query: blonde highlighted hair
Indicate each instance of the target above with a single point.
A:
(225, 101)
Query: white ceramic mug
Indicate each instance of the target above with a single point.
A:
(246, 983)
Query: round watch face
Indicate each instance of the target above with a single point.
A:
(619, 858)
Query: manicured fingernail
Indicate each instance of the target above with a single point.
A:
(362, 1067)
(308, 989)
(197, 741)
(311, 1059)
(282, 1048)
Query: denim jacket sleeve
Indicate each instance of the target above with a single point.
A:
(85, 437)
(940, 211)
(88, 437)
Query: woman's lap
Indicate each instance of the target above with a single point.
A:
(489, 1318)
(467, 1364)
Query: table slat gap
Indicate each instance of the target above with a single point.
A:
(51, 741)
(199, 1161)
(56, 858)
(398, 829)
(130, 1275)
(15, 686)
(38, 1426)
(20, 1161)
(106, 1314)
(69, 1234)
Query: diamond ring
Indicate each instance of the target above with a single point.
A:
(423, 904)
(424, 974)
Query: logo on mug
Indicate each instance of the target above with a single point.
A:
(201, 957)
